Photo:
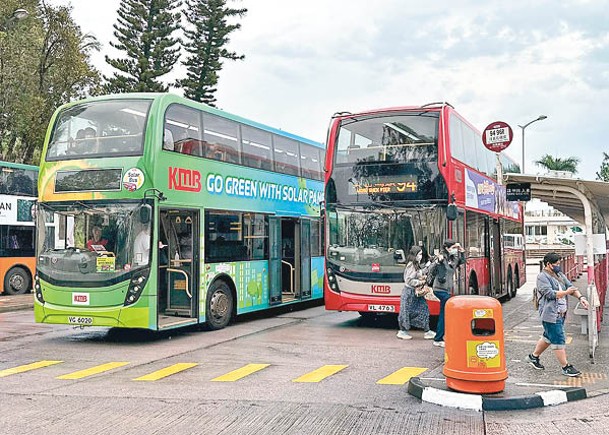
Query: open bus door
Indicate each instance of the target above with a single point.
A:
(305, 259)
(178, 267)
(275, 260)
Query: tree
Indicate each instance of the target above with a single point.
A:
(206, 39)
(44, 63)
(603, 174)
(144, 33)
(551, 163)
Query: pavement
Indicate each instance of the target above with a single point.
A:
(16, 302)
(526, 387)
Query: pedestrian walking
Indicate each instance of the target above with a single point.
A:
(552, 289)
(414, 311)
(443, 268)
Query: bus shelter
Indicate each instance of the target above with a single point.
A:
(586, 202)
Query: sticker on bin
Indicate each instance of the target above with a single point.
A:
(481, 313)
(483, 354)
(382, 308)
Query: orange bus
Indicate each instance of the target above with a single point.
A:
(18, 193)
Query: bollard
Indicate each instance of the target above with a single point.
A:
(474, 352)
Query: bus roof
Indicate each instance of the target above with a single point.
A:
(168, 98)
(425, 107)
(18, 166)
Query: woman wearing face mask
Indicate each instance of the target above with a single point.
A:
(553, 287)
(413, 309)
(449, 260)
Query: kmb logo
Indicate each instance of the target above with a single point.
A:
(381, 289)
(188, 180)
(80, 298)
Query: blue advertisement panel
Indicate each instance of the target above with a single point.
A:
(485, 194)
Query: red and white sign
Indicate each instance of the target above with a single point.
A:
(80, 298)
(380, 289)
(497, 136)
(376, 267)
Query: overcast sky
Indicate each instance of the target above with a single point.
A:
(493, 61)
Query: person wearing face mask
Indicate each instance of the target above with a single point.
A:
(553, 288)
(414, 311)
(451, 257)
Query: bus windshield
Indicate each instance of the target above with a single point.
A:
(96, 242)
(363, 240)
(99, 129)
(408, 137)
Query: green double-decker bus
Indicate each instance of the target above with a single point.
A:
(158, 212)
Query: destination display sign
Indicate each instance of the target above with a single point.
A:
(385, 185)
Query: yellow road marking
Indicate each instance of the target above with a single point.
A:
(320, 374)
(244, 371)
(93, 370)
(27, 368)
(401, 376)
(167, 371)
(569, 339)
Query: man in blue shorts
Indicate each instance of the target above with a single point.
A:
(553, 288)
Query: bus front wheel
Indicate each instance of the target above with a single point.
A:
(17, 281)
(219, 307)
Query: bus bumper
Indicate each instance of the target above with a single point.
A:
(365, 303)
(121, 317)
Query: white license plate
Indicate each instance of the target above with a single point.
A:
(76, 320)
(382, 308)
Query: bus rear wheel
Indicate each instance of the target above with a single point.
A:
(17, 281)
(219, 307)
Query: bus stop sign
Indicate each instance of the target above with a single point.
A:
(497, 136)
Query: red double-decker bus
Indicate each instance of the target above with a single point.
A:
(408, 176)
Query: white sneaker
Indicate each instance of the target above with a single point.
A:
(429, 335)
(404, 335)
(438, 343)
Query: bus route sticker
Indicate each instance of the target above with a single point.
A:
(133, 179)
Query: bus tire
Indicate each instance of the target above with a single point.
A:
(219, 306)
(510, 285)
(516, 284)
(473, 285)
(17, 281)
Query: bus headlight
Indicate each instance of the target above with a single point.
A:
(332, 279)
(38, 290)
(136, 286)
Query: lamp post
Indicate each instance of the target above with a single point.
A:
(17, 15)
(540, 118)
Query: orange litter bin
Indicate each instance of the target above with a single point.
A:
(474, 352)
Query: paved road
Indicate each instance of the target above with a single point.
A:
(303, 372)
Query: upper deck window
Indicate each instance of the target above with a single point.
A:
(14, 181)
(387, 138)
(99, 129)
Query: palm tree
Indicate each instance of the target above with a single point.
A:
(551, 163)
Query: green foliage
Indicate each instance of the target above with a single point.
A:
(44, 62)
(144, 33)
(206, 38)
(549, 162)
(603, 174)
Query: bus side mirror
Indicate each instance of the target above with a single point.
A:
(451, 212)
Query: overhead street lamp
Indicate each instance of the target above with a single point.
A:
(540, 118)
(17, 15)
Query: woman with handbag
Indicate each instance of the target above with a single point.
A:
(414, 311)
